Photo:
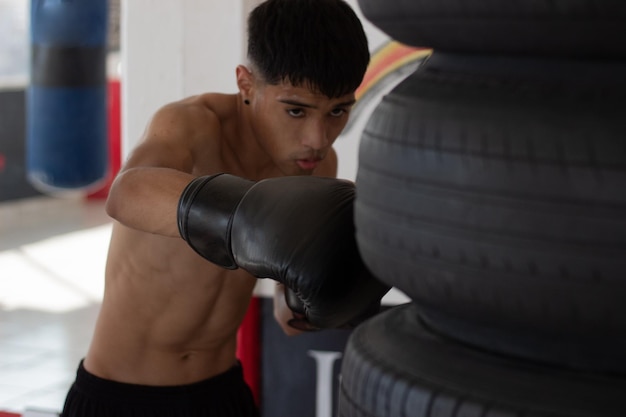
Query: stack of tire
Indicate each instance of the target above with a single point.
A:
(492, 191)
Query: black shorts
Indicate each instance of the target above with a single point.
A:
(225, 395)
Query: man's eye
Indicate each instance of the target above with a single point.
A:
(338, 112)
(295, 112)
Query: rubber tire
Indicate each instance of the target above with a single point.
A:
(492, 192)
(563, 28)
(393, 366)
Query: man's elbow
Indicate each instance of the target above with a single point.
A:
(113, 204)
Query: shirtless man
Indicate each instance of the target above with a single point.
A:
(165, 340)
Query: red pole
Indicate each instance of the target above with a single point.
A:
(249, 347)
(114, 135)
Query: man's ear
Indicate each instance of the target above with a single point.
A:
(245, 81)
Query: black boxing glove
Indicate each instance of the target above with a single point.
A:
(296, 230)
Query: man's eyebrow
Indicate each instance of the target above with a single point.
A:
(296, 103)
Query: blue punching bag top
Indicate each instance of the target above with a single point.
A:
(69, 22)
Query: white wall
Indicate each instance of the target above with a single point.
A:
(14, 43)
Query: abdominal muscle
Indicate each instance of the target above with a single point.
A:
(168, 316)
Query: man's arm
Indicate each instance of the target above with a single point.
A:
(145, 194)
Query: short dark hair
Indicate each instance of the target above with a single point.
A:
(319, 44)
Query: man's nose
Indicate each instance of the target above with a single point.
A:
(316, 135)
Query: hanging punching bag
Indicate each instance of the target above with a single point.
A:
(67, 96)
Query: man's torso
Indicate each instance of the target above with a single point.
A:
(170, 317)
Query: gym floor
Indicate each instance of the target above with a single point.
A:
(52, 256)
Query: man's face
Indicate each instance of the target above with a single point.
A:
(297, 126)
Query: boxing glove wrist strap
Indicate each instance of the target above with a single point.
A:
(205, 212)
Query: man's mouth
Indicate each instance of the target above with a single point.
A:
(308, 164)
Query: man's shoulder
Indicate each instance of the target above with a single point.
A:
(203, 113)
(328, 167)
(201, 105)
(218, 105)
